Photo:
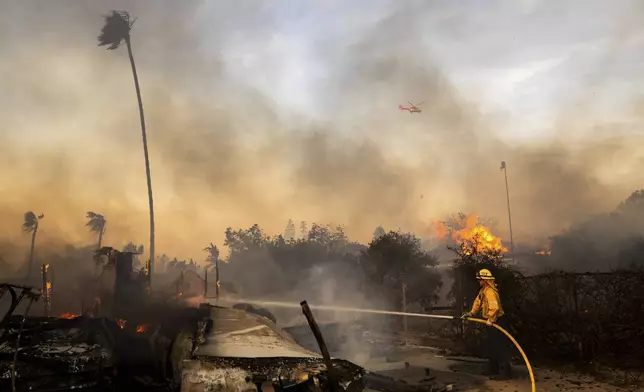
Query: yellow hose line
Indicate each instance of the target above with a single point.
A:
(516, 344)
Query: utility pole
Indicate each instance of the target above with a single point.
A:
(507, 194)
(217, 281)
(404, 309)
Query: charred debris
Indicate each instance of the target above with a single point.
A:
(134, 340)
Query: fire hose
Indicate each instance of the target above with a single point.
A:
(516, 344)
(307, 312)
(481, 321)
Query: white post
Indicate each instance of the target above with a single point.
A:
(404, 309)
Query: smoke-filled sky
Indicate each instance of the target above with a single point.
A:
(258, 112)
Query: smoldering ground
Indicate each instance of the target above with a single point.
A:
(225, 153)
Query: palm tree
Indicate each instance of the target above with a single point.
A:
(30, 225)
(96, 224)
(213, 255)
(213, 259)
(116, 31)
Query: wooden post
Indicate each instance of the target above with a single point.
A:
(404, 309)
(46, 289)
(205, 283)
(148, 274)
(217, 279)
(460, 297)
(575, 299)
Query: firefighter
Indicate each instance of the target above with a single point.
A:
(488, 302)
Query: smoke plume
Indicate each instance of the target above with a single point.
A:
(224, 152)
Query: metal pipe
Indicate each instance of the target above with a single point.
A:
(320, 340)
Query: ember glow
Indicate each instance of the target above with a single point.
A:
(46, 288)
(142, 328)
(543, 252)
(68, 316)
(469, 230)
(121, 323)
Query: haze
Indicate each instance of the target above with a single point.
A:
(261, 113)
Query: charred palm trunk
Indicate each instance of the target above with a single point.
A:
(97, 257)
(145, 154)
(100, 237)
(31, 251)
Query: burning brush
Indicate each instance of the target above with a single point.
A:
(470, 234)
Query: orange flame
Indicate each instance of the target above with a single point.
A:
(68, 316)
(543, 252)
(121, 323)
(142, 328)
(469, 230)
(441, 230)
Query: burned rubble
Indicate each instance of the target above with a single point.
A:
(137, 340)
(57, 354)
(243, 351)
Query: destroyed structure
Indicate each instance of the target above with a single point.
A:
(131, 340)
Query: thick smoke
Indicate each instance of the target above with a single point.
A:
(224, 153)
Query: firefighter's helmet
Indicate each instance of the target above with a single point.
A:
(484, 274)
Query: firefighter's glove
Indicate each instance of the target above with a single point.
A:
(466, 315)
(488, 323)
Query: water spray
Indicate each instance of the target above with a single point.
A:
(283, 304)
(393, 313)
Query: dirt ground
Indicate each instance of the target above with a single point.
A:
(464, 374)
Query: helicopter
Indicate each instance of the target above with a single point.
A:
(412, 108)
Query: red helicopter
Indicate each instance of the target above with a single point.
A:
(412, 108)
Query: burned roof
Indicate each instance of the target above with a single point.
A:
(236, 333)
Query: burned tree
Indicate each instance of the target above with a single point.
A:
(396, 258)
(130, 285)
(116, 31)
(213, 261)
(30, 225)
(96, 223)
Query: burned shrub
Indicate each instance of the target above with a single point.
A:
(583, 316)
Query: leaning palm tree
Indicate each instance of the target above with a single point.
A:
(30, 225)
(96, 224)
(116, 31)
